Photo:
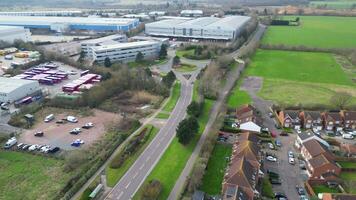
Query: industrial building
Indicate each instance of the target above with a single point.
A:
(44, 13)
(210, 28)
(15, 89)
(191, 13)
(126, 52)
(10, 34)
(63, 24)
(111, 39)
(147, 38)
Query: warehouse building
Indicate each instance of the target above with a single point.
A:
(10, 34)
(63, 24)
(126, 52)
(191, 13)
(44, 13)
(111, 39)
(15, 89)
(210, 28)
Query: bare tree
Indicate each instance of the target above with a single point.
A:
(341, 99)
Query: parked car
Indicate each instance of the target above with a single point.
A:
(290, 154)
(45, 148)
(264, 130)
(270, 146)
(75, 131)
(275, 181)
(49, 118)
(39, 134)
(53, 150)
(291, 161)
(278, 143)
(20, 145)
(302, 165)
(272, 173)
(299, 131)
(61, 121)
(271, 158)
(279, 195)
(25, 147)
(88, 125)
(77, 143)
(10, 143)
(300, 190)
(4, 106)
(33, 147)
(303, 197)
(270, 114)
(283, 133)
(72, 119)
(347, 136)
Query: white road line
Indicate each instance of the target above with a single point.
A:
(127, 185)
(142, 166)
(135, 175)
(121, 193)
(148, 158)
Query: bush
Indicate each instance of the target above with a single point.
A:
(152, 190)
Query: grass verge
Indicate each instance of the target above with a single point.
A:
(172, 101)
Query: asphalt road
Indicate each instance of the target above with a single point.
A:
(135, 176)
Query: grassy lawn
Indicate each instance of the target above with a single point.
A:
(214, 174)
(346, 164)
(342, 4)
(181, 53)
(315, 31)
(348, 176)
(175, 157)
(290, 78)
(238, 97)
(114, 175)
(324, 189)
(26, 176)
(162, 115)
(186, 68)
(173, 98)
(146, 63)
(267, 190)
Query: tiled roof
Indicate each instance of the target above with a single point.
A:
(350, 115)
(314, 115)
(333, 116)
(314, 148)
(294, 114)
(319, 161)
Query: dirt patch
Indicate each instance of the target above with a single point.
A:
(252, 84)
(58, 134)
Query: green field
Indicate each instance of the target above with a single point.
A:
(238, 97)
(342, 4)
(114, 175)
(175, 157)
(315, 31)
(181, 53)
(291, 78)
(173, 98)
(347, 164)
(214, 174)
(324, 189)
(26, 176)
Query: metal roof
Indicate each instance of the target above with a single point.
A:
(124, 45)
(8, 85)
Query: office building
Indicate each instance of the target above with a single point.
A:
(111, 39)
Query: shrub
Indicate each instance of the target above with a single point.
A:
(152, 190)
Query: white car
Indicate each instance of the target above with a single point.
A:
(299, 131)
(271, 158)
(290, 154)
(45, 148)
(33, 147)
(348, 136)
(291, 161)
(72, 119)
(270, 146)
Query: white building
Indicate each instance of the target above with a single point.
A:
(212, 28)
(126, 52)
(15, 89)
(111, 39)
(156, 13)
(43, 13)
(191, 13)
(10, 34)
(147, 38)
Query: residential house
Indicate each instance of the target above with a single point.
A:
(349, 118)
(249, 136)
(248, 118)
(332, 121)
(312, 120)
(308, 135)
(290, 119)
(249, 150)
(241, 175)
(312, 148)
(233, 192)
(250, 126)
(321, 165)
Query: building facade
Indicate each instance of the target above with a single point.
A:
(15, 89)
(10, 34)
(209, 28)
(125, 52)
(112, 39)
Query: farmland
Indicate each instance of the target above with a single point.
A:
(291, 78)
(315, 31)
(32, 177)
(342, 4)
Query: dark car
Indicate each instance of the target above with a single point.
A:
(283, 133)
(60, 121)
(275, 181)
(39, 134)
(273, 174)
(53, 150)
(300, 190)
(279, 195)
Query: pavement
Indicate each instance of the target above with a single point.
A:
(136, 175)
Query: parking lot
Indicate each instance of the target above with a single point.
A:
(58, 134)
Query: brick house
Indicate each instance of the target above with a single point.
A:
(332, 121)
(349, 118)
(311, 120)
(307, 136)
(320, 165)
(313, 148)
(248, 113)
(290, 119)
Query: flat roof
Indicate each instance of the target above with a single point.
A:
(5, 28)
(228, 22)
(45, 20)
(10, 84)
(123, 45)
(103, 39)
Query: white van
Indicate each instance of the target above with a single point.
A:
(72, 119)
(49, 118)
(11, 142)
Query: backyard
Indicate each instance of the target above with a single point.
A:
(349, 179)
(214, 174)
(315, 31)
(324, 189)
(26, 176)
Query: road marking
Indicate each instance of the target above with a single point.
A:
(135, 175)
(121, 193)
(148, 158)
(142, 166)
(127, 185)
